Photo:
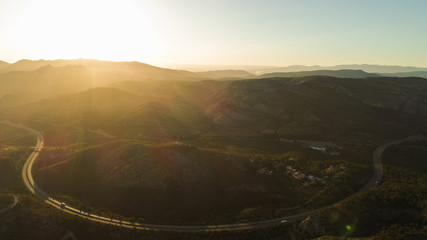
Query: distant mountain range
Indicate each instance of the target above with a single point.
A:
(422, 74)
(221, 74)
(331, 73)
(107, 70)
(28, 81)
(259, 70)
(136, 71)
(365, 67)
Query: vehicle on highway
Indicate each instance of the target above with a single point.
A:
(63, 205)
(284, 221)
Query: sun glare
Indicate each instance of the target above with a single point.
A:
(114, 30)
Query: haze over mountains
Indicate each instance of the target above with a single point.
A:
(371, 68)
(200, 71)
(332, 73)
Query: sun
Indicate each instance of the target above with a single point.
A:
(114, 30)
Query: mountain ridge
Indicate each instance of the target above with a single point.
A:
(343, 73)
(370, 68)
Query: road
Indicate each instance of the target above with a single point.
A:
(13, 204)
(33, 188)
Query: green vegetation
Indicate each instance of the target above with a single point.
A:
(11, 136)
(396, 209)
(11, 163)
(213, 181)
(14, 151)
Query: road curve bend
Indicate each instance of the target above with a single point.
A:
(33, 188)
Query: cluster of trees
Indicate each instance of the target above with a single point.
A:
(11, 162)
(396, 209)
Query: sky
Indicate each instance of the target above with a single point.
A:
(217, 32)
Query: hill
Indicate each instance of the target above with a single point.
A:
(153, 179)
(318, 106)
(91, 107)
(371, 68)
(3, 65)
(26, 81)
(226, 74)
(108, 72)
(422, 74)
(331, 73)
(308, 107)
(25, 86)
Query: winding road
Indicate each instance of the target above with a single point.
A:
(39, 193)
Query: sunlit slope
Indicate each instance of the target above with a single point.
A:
(120, 111)
(3, 65)
(106, 71)
(90, 107)
(135, 69)
(22, 87)
(197, 92)
(171, 118)
(309, 107)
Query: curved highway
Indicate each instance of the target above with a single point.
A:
(32, 187)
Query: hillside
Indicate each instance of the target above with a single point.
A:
(319, 106)
(422, 74)
(396, 209)
(23, 87)
(152, 179)
(31, 65)
(168, 119)
(226, 74)
(3, 65)
(105, 72)
(309, 107)
(91, 107)
(371, 68)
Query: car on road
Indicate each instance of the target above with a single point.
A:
(63, 205)
(284, 221)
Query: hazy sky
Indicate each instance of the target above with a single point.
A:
(253, 32)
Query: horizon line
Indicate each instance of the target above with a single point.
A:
(216, 65)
